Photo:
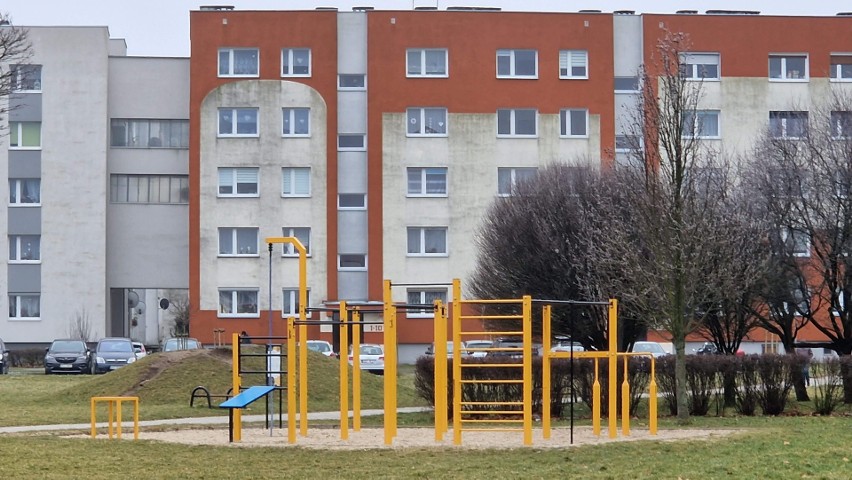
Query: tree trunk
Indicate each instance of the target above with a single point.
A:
(846, 374)
(680, 380)
(730, 388)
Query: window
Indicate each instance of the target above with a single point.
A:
(297, 122)
(508, 179)
(788, 124)
(841, 125)
(351, 82)
(290, 307)
(573, 64)
(425, 297)
(143, 133)
(701, 124)
(800, 297)
(628, 149)
(238, 303)
(296, 182)
(426, 62)
(788, 67)
(427, 182)
(238, 62)
(304, 236)
(160, 189)
(24, 191)
(699, 66)
(296, 62)
(24, 135)
(517, 64)
(626, 84)
(517, 123)
(841, 68)
(24, 307)
(237, 122)
(427, 241)
(25, 78)
(351, 201)
(236, 242)
(238, 182)
(427, 122)
(796, 242)
(351, 142)
(573, 123)
(351, 261)
(24, 248)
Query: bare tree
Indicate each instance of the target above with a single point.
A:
(80, 326)
(15, 51)
(181, 311)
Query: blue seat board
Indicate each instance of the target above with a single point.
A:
(246, 397)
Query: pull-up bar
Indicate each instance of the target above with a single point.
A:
(421, 284)
(569, 302)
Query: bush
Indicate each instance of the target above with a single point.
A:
(828, 385)
(777, 374)
(747, 395)
(27, 358)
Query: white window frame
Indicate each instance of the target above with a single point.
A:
(243, 252)
(230, 73)
(362, 148)
(784, 119)
(17, 241)
(235, 303)
(360, 207)
(513, 178)
(289, 54)
(698, 117)
(803, 240)
(15, 304)
(420, 232)
(289, 113)
(513, 123)
(235, 171)
(17, 78)
(351, 89)
(838, 122)
(293, 183)
(836, 69)
(785, 72)
(16, 192)
(235, 111)
(422, 292)
(288, 250)
(137, 133)
(420, 113)
(352, 269)
(290, 295)
(511, 53)
(423, 66)
(569, 59)
(18, 129)
(421, 173)
(565, 123)
(691, 65)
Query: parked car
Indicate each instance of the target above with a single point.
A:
(567, 346)
(708, 348)
(67, 356)
(181, 343)
(513, 348)
(472, 345)
(372, 357)
(112, 353)
(139, 349)
(322, 347)
(4, 359)
(431, 349)
(654, 348)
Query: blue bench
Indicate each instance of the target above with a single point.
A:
(242, 400)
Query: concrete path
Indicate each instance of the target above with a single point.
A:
(217, 420)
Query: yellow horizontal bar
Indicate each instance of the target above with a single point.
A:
(518, 333)
(577, 354)
(491, 317)
(481, 420)
(493, 412)
(478, 365)
(501, 300)
(492, 381)
(492, 403)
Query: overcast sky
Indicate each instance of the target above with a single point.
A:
(161, 27)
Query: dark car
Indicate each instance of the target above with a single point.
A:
(112, 353)
(4, 359)
(513, 348)
(708, 349)
(67, 356)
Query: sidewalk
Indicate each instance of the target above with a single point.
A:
(218, 420)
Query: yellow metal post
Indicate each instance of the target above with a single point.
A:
(356, 373)
(387, 311)
(303, 380)
(613, 368)
(596, 402)
(528, 380)
(391, 338)
(235, 380)
(652, 400)
(545, 371)
(457, 374)
(625, 402)
(291, 380)
(344, 378)
(440, 370)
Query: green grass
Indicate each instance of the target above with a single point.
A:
(163, 383)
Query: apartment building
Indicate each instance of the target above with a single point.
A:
(97, 201)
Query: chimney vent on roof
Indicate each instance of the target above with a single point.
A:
(425, 8)
(590, 11)
(215, 8)
(624, 12)
(475, 9)
(732, 12)
(687, 12)
(333, 9)
(362, 9)
(844, 14)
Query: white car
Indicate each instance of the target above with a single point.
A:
(372, 357)
(654, 348)
(139, 349)
(471, 345)
(568, 346)
(322, 347)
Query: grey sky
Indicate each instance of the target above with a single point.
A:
(161, 27)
